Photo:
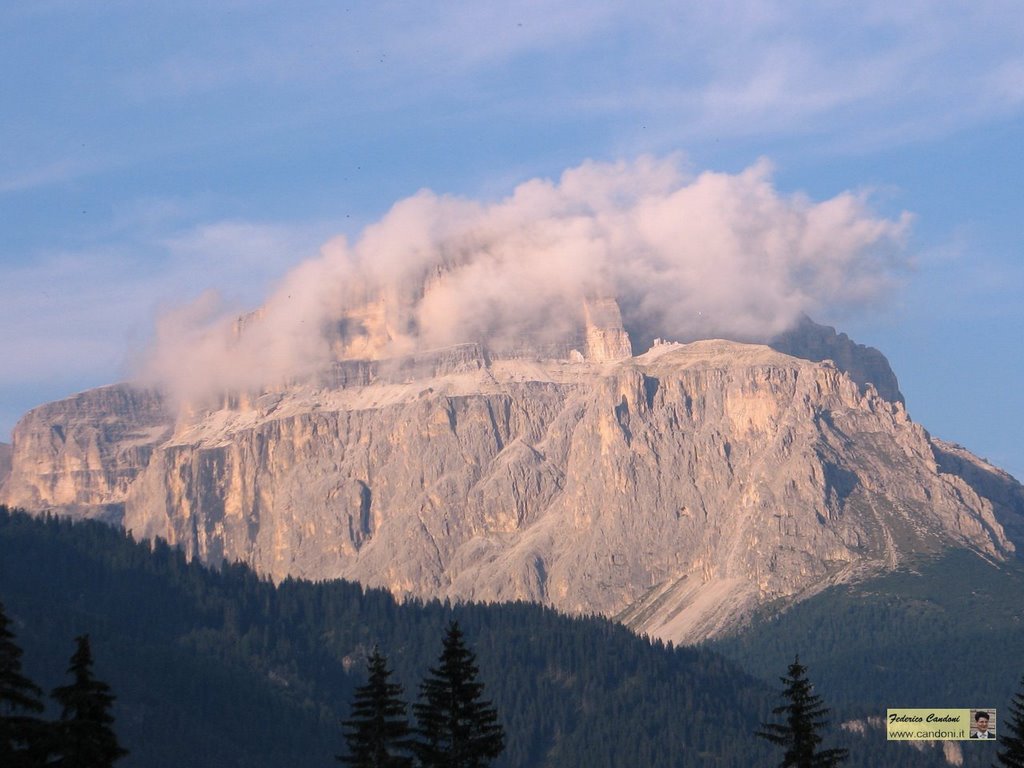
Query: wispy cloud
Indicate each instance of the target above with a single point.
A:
(385, 43)
(59, 172)
(83, 311)
(856, 75)
(736, 67)
(171, 80)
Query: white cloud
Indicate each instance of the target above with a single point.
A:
(687, 257)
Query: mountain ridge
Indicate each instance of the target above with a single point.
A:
(676, 490)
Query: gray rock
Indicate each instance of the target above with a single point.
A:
(674, 490)
(865, 365)
(5, 461)
(80, 455)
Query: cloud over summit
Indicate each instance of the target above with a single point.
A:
(686, 256)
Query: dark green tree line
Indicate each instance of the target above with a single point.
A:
(221, 667)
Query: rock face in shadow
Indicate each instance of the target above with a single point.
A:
(674, 490)
(865, 365)
(987, 481)
(5, 461)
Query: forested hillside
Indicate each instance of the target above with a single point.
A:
(941, 632)
(949, 629)
(219, 667)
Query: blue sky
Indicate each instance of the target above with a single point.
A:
(150, 151)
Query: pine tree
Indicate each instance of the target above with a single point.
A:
(84, 736)
(800, 732)
(1012, 753)
(20, 732)
(379, 735)
(456, 727)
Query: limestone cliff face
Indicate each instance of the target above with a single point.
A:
(674, 490)
(606, 339)
(80, 455)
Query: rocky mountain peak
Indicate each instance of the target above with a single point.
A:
(865, 365)
(675, 490)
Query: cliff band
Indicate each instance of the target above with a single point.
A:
(674, 490)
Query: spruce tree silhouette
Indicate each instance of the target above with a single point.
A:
(21, 734)
(378, 730)
(456, 727)
(800, 731)
(1011, 733)
(84, 736)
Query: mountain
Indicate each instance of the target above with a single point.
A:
(677, 490)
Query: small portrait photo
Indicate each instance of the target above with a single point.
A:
(983, 723)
